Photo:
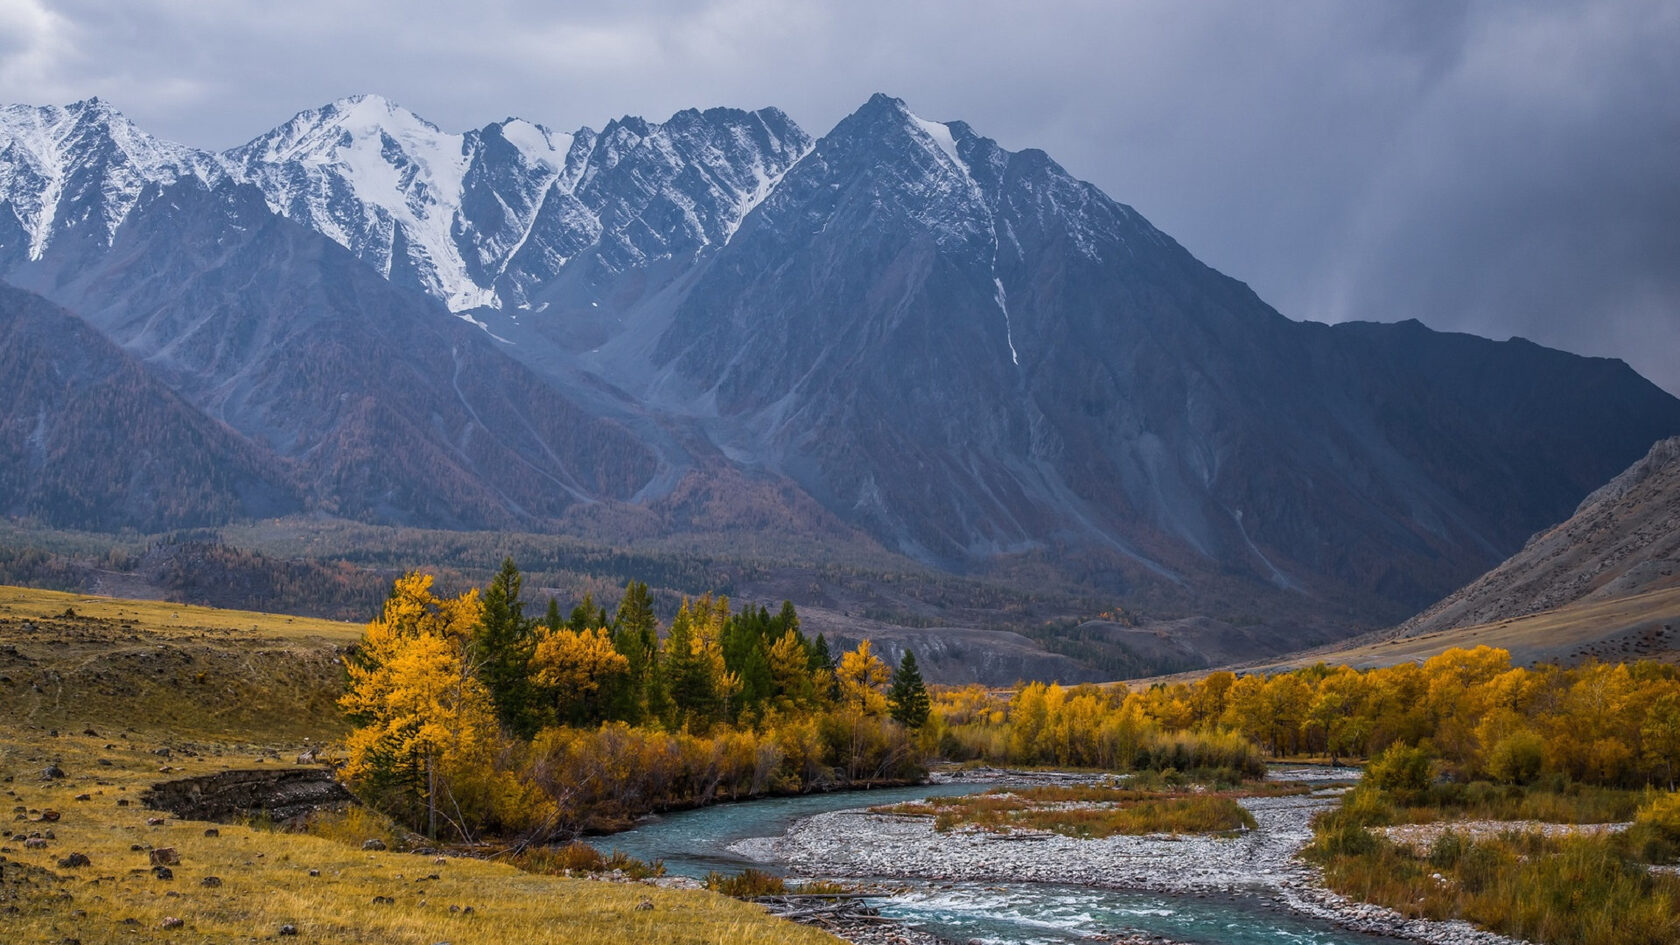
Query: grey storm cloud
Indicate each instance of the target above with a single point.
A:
(1504, 168)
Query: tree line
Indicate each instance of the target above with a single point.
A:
(1470, 712)
(471, 716)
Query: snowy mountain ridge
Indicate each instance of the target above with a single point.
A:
(478, 219)
(487, 218)
(85, 163)
(717, 323)
(454, 214)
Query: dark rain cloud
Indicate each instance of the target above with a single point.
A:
(1506, 168)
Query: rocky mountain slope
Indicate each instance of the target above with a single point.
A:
(86, 432)
(719, 325)
(388, 409)
(976, 354)
(1622, 541)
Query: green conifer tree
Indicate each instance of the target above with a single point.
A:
(635, 633)
(587, 616)
(907, 697)
(687, 679)
(501, 648)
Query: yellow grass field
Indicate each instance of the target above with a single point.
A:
(163, 617)
(98, 694)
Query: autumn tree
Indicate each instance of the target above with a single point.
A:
(793, 684)
(863, 680)
(1337, 716)
(574, 672)
(423, 719)
(907, 697)
(1660, 735)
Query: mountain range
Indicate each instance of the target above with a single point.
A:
(899, 339)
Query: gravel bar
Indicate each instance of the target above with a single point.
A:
(1262, 862)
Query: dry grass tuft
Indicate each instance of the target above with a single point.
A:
(578, 858)
(747, 884)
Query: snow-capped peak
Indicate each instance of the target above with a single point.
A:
(539, 145)
(54, 156)
(370, 174)
(318, 135)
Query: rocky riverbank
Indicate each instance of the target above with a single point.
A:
(1261, 862)
(1420, 837)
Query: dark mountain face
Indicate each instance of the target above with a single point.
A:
(89, 439)
(962, 350)
(393, 410)
(974, 353)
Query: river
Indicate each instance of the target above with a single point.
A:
(692, 843)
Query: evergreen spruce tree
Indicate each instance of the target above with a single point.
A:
(635, 633)
(821, 658)
(822, 668)
(747, 638)
(686, 678)
(787, 619)
(635, 612)
(907, 697)
(502, 644)
(587, 616)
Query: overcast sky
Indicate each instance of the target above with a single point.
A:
(1504, 168)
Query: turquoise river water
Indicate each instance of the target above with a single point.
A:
(692, 843)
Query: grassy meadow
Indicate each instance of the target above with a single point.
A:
(99, 695)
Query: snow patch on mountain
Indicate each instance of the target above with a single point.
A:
(941, 135)
(538, 144)
(766, 185)
(1008, 332)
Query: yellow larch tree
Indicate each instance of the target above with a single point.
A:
(863, 680)
(423, 720)
(572, 669)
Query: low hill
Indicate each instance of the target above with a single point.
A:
(1643, 626)
(89, 434)
(1604, 584)
(1623, 540)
